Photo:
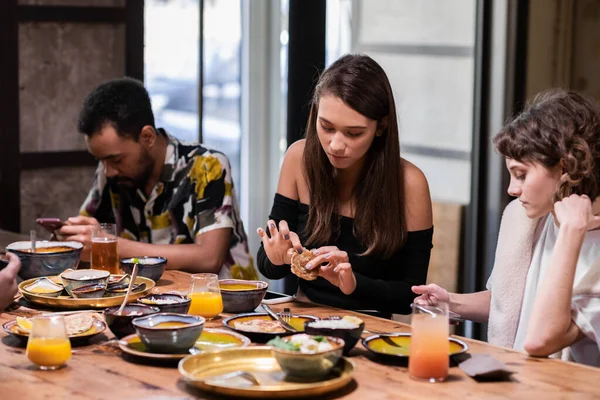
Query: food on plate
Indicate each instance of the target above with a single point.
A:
(44, 286)
(75, 324)
(347, 322)
(170, 324)
(259, 325)
(154, 301)
(299, 262)
(302, 343)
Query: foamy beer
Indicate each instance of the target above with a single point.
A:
(104, 248)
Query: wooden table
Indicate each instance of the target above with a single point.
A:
(108, 375)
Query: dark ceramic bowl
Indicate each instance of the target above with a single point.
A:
(349, 335)
(181, 307)
(149, 267)
(240, 296)
(89, 291)
(309, 365)
(121, 325)
(169, 339)
(83, 277)
(34, 265)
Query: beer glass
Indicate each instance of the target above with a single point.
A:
(104, 248)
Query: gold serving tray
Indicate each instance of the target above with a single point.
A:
(71, 303)
(198, 370)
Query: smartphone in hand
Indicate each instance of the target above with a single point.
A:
(50, 224)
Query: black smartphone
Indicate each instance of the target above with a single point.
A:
(50, 224)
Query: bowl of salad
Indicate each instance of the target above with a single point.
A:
(307, 356)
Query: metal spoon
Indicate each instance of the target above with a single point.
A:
(131, 283)
(33, 236)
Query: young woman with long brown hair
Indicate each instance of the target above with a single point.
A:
(345, 192)
(543, 295)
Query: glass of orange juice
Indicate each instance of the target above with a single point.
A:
(104, 248)
(48, 345)
(429, 348)
(206, 296)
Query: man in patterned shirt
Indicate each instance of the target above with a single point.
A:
(168, 198)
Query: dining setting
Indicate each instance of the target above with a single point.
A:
(151, 330)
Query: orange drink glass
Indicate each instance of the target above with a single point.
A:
(206, 296)
(104, 248)
(429, 348)
(48, 345)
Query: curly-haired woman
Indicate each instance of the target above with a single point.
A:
(544, 293)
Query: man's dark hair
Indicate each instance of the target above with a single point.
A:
(124, 103)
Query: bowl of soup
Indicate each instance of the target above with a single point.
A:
(169, 333)
(167, 302)
(240, 296)
(121, 324)
(49, 258)
(148, 267)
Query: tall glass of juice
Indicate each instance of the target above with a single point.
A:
(48, 345)
(206, 296)
(104, 248)
(429, 347)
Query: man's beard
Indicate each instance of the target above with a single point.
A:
(138, 182)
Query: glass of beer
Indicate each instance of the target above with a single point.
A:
(206, 296)
(429, 348)
(48, 345)
(104, 248)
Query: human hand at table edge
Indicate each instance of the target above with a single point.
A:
(8, 280)
(334, 266)
(280, 247)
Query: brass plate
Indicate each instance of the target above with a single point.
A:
(210, 340)
(97, 328)
(71, 303)
(397, 345)
(259, 361)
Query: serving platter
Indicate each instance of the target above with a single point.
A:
(204, 371)
(396, 346)
(297, 321)
(209, 340)
(70, 303)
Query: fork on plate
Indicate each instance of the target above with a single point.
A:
(286, 314)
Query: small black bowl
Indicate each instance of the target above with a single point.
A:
(121, 325)
(149, 267)
(349, 335)
(181, 307)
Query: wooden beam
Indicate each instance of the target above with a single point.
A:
(40, 160)
(106, 15)
(134, 39)
(10, 211)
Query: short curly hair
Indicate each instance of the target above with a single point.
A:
(558, 125)
(124, 103)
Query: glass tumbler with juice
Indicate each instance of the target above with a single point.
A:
(104, 248)
(206, 296)
(48, 345)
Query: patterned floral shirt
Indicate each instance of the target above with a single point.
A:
(194, 195)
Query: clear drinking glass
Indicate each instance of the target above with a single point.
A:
(104, 248)
(48, 345)
(206, 296)
(429, 348)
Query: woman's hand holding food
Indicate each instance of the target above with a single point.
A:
(281, 245)
(336, 269)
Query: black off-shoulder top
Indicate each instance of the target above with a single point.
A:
(381, 284)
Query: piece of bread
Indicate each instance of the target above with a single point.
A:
(299, 262)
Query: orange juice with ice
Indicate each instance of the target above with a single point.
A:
(206, 304)
(49, 352)
(429, 347)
